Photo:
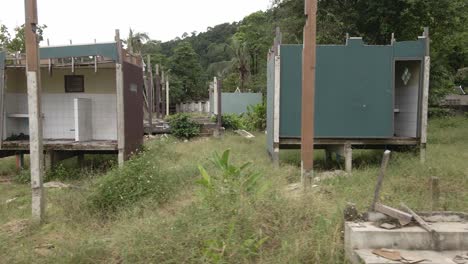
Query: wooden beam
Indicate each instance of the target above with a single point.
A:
(403, 218)
(308, 92)
(434, 235)
(34, 108)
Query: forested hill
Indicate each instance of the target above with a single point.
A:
(237, 52)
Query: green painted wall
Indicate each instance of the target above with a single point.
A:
(108, 50)
(354, 89)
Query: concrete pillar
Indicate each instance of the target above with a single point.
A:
(80, 160)
(20, 161)
(348, 153)
(422, 153)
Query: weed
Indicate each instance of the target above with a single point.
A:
(183, 127)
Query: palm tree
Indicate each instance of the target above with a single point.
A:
(135, 41)
(240, 63)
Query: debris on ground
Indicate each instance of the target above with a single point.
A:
(44, 250)
(351, 213)
(11, 200)
(395, 255)
(388, 226)
(244, 133)
(15, 227)
(58, 185)
(459, 259)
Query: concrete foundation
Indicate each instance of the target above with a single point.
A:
(367, 236)
(430, 257)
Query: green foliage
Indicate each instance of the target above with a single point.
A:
(436, 112)
(141, 177)
(231, 121)
(17, 43)
(183, 127)
(229, 193)
(255, 118)
(187, 79)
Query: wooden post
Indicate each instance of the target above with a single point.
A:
(308, 92)
(158, 92)
(435, 193)
(150, 94)
(167, 96)
(219, 118)
(383, 169)
(120, 100)
(215, 96)
(33, 75)
(425, 97)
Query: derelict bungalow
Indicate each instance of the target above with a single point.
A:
(92, 101)
(367, 96)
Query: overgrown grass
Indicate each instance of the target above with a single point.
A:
(173, 220)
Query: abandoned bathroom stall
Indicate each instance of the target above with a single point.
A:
(92, 101)
(367, 96)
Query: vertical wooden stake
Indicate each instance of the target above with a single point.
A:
(308, 92)
(435, 193)
(150, 93)
(33, 75)
(383, 169)
(219, 89)
(167, 96)
(158, 93)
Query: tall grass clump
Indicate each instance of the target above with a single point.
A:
(183, 127)
(141, 177)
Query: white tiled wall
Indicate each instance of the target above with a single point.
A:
(407, 99)
(58, 110)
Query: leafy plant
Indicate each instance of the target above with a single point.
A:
(231, 121)
(183, 127)
(255, 118)
(440, 112)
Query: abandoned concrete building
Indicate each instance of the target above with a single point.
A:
(92, 101)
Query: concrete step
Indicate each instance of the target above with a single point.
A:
(453, 236)
(431, 257)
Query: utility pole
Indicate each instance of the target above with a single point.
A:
(219, 89)
(33, 74)
(308, 92)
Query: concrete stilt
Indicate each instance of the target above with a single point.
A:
(348, 153)
(20, 161)
(80, 160)
(275, 157)
(422, 153)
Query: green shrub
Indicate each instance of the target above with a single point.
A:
(183, 127)
(255, 118)
(231, 195)
(435, 112)
(142, 176)
(231, 121)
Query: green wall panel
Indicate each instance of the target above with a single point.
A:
(2, 59)
(108, 50)
(354, 89)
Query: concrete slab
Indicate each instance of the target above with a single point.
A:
(445, 257)
(454, 236)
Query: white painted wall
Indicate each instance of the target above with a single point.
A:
(407, 99)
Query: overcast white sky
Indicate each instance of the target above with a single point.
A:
(86, 20)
